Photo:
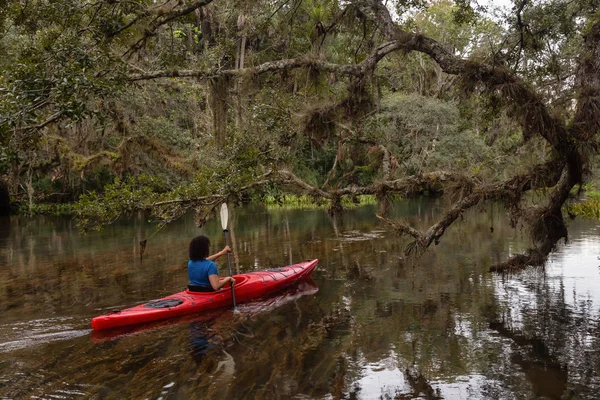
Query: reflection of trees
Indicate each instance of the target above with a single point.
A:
(385, 302)
(440, 317)
(420, 387)
(546, 374)
(234, 241)
(372, 300)
(554, 344)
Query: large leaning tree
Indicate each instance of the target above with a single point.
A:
(78, 75)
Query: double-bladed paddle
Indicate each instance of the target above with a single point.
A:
(224, 220)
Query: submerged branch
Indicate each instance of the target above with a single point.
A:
(541, 176)
(402, 228)
(547, 228)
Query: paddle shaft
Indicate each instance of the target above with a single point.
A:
(226, 231)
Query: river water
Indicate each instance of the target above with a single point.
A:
(373, 324)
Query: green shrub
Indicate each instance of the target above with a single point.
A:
(55, 209)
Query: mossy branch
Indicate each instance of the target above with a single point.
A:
(315, 64)
(541, 176)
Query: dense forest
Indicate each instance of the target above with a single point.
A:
(168, 107)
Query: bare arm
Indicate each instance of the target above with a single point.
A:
(218, 284)
(215, 256)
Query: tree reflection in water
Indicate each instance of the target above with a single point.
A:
(381, 325)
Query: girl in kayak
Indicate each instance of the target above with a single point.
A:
(202, 270)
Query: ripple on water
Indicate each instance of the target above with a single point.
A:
(71, 391)
(357, 236)
(27, 334)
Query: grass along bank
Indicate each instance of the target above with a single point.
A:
(292, 202)
(288, 201)
(589, 207)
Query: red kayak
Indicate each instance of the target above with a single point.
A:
(263, 304)
(248, 286)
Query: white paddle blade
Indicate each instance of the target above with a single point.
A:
(224, 216)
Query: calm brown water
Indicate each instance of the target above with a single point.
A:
(373, 325)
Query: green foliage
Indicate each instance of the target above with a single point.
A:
(589, 206)
(422, 132)
(129, 146)
(307, 202)
(588, 209)
(52, 209)
(58, 75)
(592, 194)
(99, 178)
(244, 162)
(119, 198)
(166, 131)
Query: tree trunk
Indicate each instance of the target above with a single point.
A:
(386, 163)
(205, 15)
(30, 190)
(218, 102)
(239, 64)
(239, 120)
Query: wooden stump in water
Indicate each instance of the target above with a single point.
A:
(143, 248)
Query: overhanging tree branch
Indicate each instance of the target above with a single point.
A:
(526, 106)
(547, 222)
(211, 199)
(279, 65)
(541, 176)
(269, 66)
(407, 186)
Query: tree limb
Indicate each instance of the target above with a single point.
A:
(161, 19)
(534, 117)
(548, 226)
(521, 26)
(53, 118)
(542, 175)
(269, 66)
(288, 177)
(279, 65)
(402, 228)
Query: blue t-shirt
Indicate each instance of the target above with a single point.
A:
(199, 270)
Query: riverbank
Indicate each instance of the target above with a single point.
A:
(287, 202)
(587, 207)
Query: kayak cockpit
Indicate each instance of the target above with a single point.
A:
(239, 281)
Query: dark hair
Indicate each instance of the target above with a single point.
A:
(199, 248)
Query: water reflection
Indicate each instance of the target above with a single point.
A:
(380, 325)
(202, 340)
